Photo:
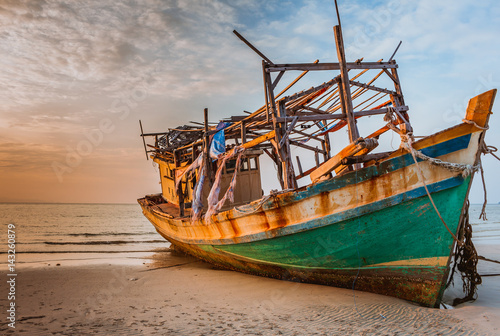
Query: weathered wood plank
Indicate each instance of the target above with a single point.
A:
(257, 51)
(277, 79)
(371, 87)
(329, 66)
(346, 88)
(259, 140)
(334, 162)
(299, 144)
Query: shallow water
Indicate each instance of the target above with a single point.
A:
(46, 232)
(109, 230)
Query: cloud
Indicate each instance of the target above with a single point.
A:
(28, 157)
(63, 49)
(67, 65)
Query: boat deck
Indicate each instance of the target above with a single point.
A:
(157, 203)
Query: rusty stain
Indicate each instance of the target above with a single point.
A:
(419, 285)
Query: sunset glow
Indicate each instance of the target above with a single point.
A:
(76, 77)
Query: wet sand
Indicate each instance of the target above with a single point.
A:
(172, 294)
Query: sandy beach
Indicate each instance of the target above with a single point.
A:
(168, 293)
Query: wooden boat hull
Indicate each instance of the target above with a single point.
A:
(373, 229)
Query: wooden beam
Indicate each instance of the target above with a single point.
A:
(270, 155)
(289, 129)
(344, 81)
(252, 47)
(307, 172)
(259, 140)
(208, 162)
(277, 79)
(243, 132)
(179, 191)
(299, 165)
(295, 81)
(391, 76)
(143, 141)
(328, 146)
(365, 158)
(336, 160)
(357, 114)
(329, 66)
(307, 135)
(312, 109)
(153, 134)
(370, 87)
(266, 90)
(309, 91)
(299, 144)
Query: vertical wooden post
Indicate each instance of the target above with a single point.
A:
(292, 181)
(194, 156)
(279, 128)
(346, 88)
(266, 91)
(144, 141)
(400, 101)
(208, 161)
(397, 86)
(284, 149)
(325, 151)
(243, 132)
(299, 165)
(328, 146)
(279, 166)
(180, 192)
(270, 95)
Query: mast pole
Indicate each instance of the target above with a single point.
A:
(345, 95)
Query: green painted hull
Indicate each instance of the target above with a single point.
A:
(372, 229)
(346, 253)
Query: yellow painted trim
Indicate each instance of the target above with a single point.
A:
(434, 261)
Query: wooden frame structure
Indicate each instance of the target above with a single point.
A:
(298, 119)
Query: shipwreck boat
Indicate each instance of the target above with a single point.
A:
(386, 222)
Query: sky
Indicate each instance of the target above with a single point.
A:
(77, 76)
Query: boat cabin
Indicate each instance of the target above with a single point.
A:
(248, 184)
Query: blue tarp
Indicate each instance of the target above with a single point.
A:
(218, 145)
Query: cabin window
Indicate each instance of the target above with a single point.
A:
(230, 166)
(253, 163)
(244, 164)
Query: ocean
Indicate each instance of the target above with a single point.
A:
(48, 232)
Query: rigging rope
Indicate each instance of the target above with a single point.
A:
(455, 167)
(466, 260)
(485, 149)
(465, 256)
(406, 141)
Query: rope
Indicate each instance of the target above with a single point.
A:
(455, 167)
(474, 123)
(465, 261)
(241, 209)
(490, 150)
(482, 215)
(406, 141)
(486, 259)
(485, 149)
